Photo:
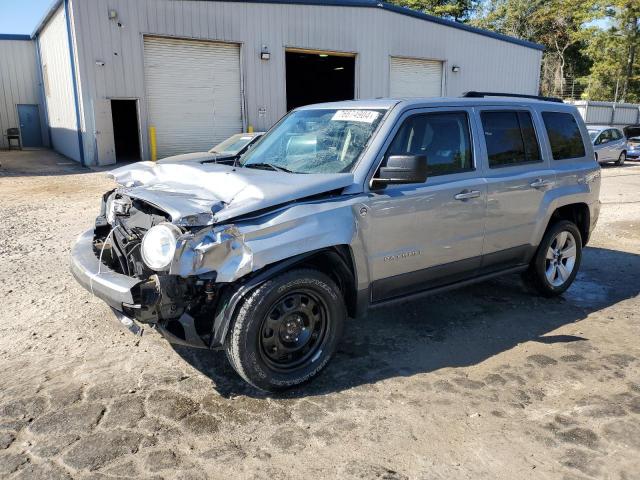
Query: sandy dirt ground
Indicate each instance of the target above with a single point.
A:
(486, 382)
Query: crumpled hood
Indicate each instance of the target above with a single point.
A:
(203, 194)
(189, 157)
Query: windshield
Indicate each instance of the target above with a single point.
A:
(593, 134)
(316, 141)
(233, 145)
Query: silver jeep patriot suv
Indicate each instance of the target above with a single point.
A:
(338, 208)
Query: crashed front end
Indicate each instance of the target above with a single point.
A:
(174, 285)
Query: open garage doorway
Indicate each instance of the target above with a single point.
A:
(315, 77)
(126, 131)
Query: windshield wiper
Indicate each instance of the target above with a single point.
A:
(262, 165)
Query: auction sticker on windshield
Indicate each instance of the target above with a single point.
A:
(366, 116)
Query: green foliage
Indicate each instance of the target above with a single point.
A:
(458, 10)
(615, 55)
(559, 25)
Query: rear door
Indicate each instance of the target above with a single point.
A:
(518, 175)
(421, 236)
(618, 144)
(605, 145)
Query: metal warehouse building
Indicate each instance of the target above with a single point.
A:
(21, 102)
(199, 71)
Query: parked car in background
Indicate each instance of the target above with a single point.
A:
(609, 144)
(632, 132)
(339, 208)
(227, 151)
(633, 148)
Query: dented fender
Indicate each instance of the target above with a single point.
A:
(229, 252)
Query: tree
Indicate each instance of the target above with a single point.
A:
(458, 10)
(557, 24)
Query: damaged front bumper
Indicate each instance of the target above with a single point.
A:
(112, 287)
(133, 301)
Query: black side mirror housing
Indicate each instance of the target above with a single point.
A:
(402, 169)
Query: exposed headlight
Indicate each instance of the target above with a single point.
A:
(159, 245)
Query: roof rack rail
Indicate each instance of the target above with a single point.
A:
(473, 94)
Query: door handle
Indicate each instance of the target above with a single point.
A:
(467, 194)
(540, 183)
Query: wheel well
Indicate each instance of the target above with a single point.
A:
(336, 263)
(577, 213)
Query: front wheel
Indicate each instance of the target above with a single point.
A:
(286, 330)
(621, 158)
(557, 260)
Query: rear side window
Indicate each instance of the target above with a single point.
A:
(510, 138)
(443, 137)
(615, 134)
(564, 135)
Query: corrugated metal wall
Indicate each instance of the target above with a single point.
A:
(609, 113)
(18, 84)
(58, 86)
(374, 35)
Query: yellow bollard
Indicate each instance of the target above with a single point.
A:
(250, 129)
(153, 143)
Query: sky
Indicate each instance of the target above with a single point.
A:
(22, 16)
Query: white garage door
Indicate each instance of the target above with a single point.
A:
(193, 93)
(415, 78)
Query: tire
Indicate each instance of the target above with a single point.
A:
(541, 274)
(621, 158)
(286, 330)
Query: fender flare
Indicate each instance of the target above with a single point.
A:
(231, 299)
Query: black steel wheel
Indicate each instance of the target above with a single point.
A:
(286, 330)
(294, 330)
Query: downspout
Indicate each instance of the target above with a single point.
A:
(74, 80)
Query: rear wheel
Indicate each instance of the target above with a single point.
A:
(621, 158)
(557, 260)
(286, 330)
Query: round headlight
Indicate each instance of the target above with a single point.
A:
(159, 245)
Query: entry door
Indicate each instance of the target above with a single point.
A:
(421, 236)
(518, 176)
(29, 118)
(105, 144)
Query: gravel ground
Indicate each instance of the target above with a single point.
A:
(489, 381)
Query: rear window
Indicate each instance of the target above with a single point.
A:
(510, 138)
(564, 135)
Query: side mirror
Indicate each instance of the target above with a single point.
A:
(402, 169)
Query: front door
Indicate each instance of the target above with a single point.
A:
(29, 118)
(518, 177)
(422, 236)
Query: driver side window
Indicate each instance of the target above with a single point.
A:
(604, 137)
(443, 137)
